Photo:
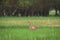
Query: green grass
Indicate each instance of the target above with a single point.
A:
(30, 18)
(43, 33)
(16, 28)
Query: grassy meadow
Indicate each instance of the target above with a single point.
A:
(16, 28)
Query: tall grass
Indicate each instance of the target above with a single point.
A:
(43, 33)
(16, 28)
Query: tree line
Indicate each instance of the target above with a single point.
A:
(28, 7)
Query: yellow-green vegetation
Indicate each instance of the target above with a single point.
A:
(47, 22)
(24, 21)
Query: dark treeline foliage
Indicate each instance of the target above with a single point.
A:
(28, 7)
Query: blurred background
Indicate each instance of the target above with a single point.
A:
(29, 7)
